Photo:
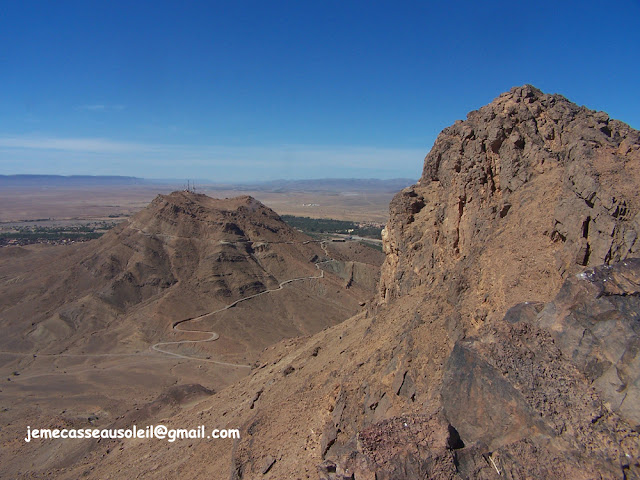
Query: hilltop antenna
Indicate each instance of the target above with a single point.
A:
(190, 187)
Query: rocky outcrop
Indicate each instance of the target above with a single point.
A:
(514, 201)
(527, 178)
(595, 322)
(550, 391)
(512, 394)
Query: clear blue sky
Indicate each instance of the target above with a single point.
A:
(250, 90)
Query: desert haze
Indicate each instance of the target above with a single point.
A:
(85, 199)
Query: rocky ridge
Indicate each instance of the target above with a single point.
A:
(528, 190)
(514, 201)
(184, 255)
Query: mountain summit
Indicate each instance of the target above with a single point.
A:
(528, 190)
(181, 257)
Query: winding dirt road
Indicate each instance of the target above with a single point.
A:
(211, 336)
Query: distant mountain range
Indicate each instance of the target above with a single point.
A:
(71, 180)
(329, 184)
(309, 185)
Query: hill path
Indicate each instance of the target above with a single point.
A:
(211, 335)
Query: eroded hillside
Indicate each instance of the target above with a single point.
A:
(181, 257)
(181, 298)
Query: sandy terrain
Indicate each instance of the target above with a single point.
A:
(98, 203)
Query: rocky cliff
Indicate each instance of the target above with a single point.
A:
(528, 190)
(524, 195)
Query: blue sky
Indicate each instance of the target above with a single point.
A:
(252, 90)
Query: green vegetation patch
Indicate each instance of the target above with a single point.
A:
(26, 235)
(315, 226)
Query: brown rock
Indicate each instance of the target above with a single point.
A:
(269, 461)
(594, 322)
(528, 175)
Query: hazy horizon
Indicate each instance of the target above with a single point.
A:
(209, 181)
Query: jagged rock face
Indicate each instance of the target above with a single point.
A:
(550, 391)
(595, 321)
(526, 179)
(525, 193)
(558, 378)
